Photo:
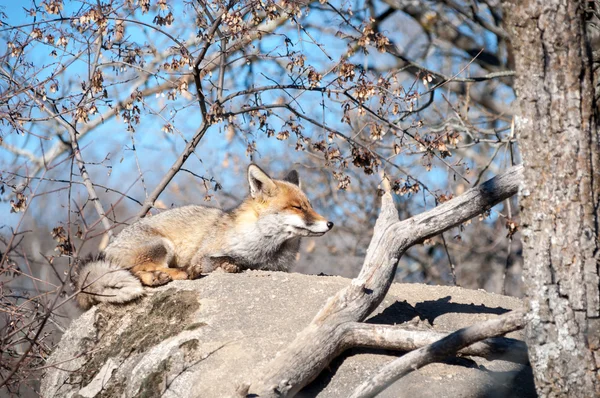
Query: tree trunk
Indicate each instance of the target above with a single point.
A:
(558, 138)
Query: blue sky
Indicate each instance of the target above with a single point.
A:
(109, 146)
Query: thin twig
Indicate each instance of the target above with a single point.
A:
(450, 262)
(189, 149)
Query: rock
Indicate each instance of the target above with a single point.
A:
(203, 338)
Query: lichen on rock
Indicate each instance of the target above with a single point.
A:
(208, 336)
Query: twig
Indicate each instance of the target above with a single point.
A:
(189, 148)
(452, 268)
(197, 71)
(35, 338)
(93, 197)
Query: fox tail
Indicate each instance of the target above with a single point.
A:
(98, 280)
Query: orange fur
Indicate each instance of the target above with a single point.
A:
(263, 232)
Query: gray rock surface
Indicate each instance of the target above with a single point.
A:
(203, 338)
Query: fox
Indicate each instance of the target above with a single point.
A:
(261, 233)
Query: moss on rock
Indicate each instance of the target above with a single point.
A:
(154, 384)
(165, 317)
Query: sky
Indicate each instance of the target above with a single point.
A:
(108, 149)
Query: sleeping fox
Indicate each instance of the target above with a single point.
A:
(263, 232)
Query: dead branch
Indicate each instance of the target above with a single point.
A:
(393, 337)
(322, 340)
(439, 350)
(33, 341)
(93, 196)
(189, 148)
(199, 59)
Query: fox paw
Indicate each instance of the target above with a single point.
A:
(194, 272)
(230, 267)
(154, 278)
(225, 264)
(207, 264)
(178, 275)
(160, 278)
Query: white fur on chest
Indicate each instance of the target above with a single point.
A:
(265, 244)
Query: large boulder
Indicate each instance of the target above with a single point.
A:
(203, 338)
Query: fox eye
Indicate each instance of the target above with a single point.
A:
(298, 207)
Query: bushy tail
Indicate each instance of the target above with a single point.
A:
(101, 281)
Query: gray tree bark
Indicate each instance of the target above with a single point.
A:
(558, 136)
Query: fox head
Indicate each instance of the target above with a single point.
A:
(283, 206)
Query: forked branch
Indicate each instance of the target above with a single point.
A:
(394, 337)
(438, 351)
(323, 339)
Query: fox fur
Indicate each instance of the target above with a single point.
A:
(263, 232)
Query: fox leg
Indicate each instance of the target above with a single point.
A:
(206, 264)
(160, 276)
(152, 275)
(152, 264)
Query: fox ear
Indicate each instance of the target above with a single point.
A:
(260, 182)
(292, 177)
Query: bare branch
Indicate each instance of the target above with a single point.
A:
(197, 71)
(394, 337)
(93, 196)
(322, 340)
(189, 149)
(439, 350)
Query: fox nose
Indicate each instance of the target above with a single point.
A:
(329, 224)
